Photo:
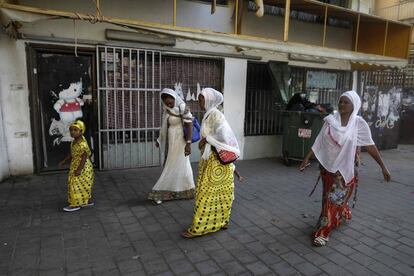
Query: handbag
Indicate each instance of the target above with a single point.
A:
(196, 130)
(224, 156)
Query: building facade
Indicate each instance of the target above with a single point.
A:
(107, 63)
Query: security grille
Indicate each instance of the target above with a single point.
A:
(129, 84)
(189, 75)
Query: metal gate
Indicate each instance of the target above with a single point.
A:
(129, 85)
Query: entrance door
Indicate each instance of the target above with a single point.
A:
(62, 91)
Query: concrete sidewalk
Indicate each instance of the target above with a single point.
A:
(269, 233)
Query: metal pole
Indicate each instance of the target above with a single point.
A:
(236, 17)
(175, 13)
(146, 105)
(99, 106)
(106, 107)
(138, 109)
(123, 108)
(357, 33)
(153, 107)
(130, 107)
(385, 38)
(115, 94)
(324, 26)
(287, 18)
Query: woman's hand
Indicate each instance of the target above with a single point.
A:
(62, 163)
(373, 151)
(305, 162)
(202, 143)
(78, 172)
(387, 175)
(304, 165)
(187, 149)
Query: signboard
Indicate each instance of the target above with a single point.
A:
(304, 133)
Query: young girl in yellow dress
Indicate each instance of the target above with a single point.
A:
(81, 176)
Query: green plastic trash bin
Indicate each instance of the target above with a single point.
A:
(299, 133)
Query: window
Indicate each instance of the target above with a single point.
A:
(262, 110)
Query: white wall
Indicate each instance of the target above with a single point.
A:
(365, 6)
(4, 159)
(235, 72)
(14, 100)
(262, 146)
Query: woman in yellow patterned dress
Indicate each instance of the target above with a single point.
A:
(215, 181)
(81, 176)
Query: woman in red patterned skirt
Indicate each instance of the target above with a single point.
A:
(337, 150)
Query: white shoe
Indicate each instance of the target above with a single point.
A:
(158, 202)
(71, 209)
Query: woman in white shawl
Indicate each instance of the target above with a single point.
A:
(176, 180)
(337, 150)
(215, 181)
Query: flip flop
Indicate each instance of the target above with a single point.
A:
(187, 235)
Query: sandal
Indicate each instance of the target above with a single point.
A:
(320, 241)
(187, 235)
(71, 208)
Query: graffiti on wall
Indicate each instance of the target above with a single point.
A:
(381, 106)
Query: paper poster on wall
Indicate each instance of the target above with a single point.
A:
(65, 93)
(389, 104)
(321, 79)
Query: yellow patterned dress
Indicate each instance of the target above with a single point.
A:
(214, 196)
(80, 187)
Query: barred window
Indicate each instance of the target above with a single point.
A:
(262, 110)
(409, 72)
(320, 86)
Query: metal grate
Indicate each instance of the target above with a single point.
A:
(320, 91)
(262, 111)
(383, 78)
(409, 72)
(191, 75)
(129, 83)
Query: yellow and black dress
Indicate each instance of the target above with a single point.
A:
(214, 196)
(80, 187)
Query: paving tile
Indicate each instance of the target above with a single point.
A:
(125, 235)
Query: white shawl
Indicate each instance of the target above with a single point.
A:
(177, 110)
(335, 146)
(214, 126)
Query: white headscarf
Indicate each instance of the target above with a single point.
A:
(179, 104)
(179, 109)
(214, 126)
(335, 146)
